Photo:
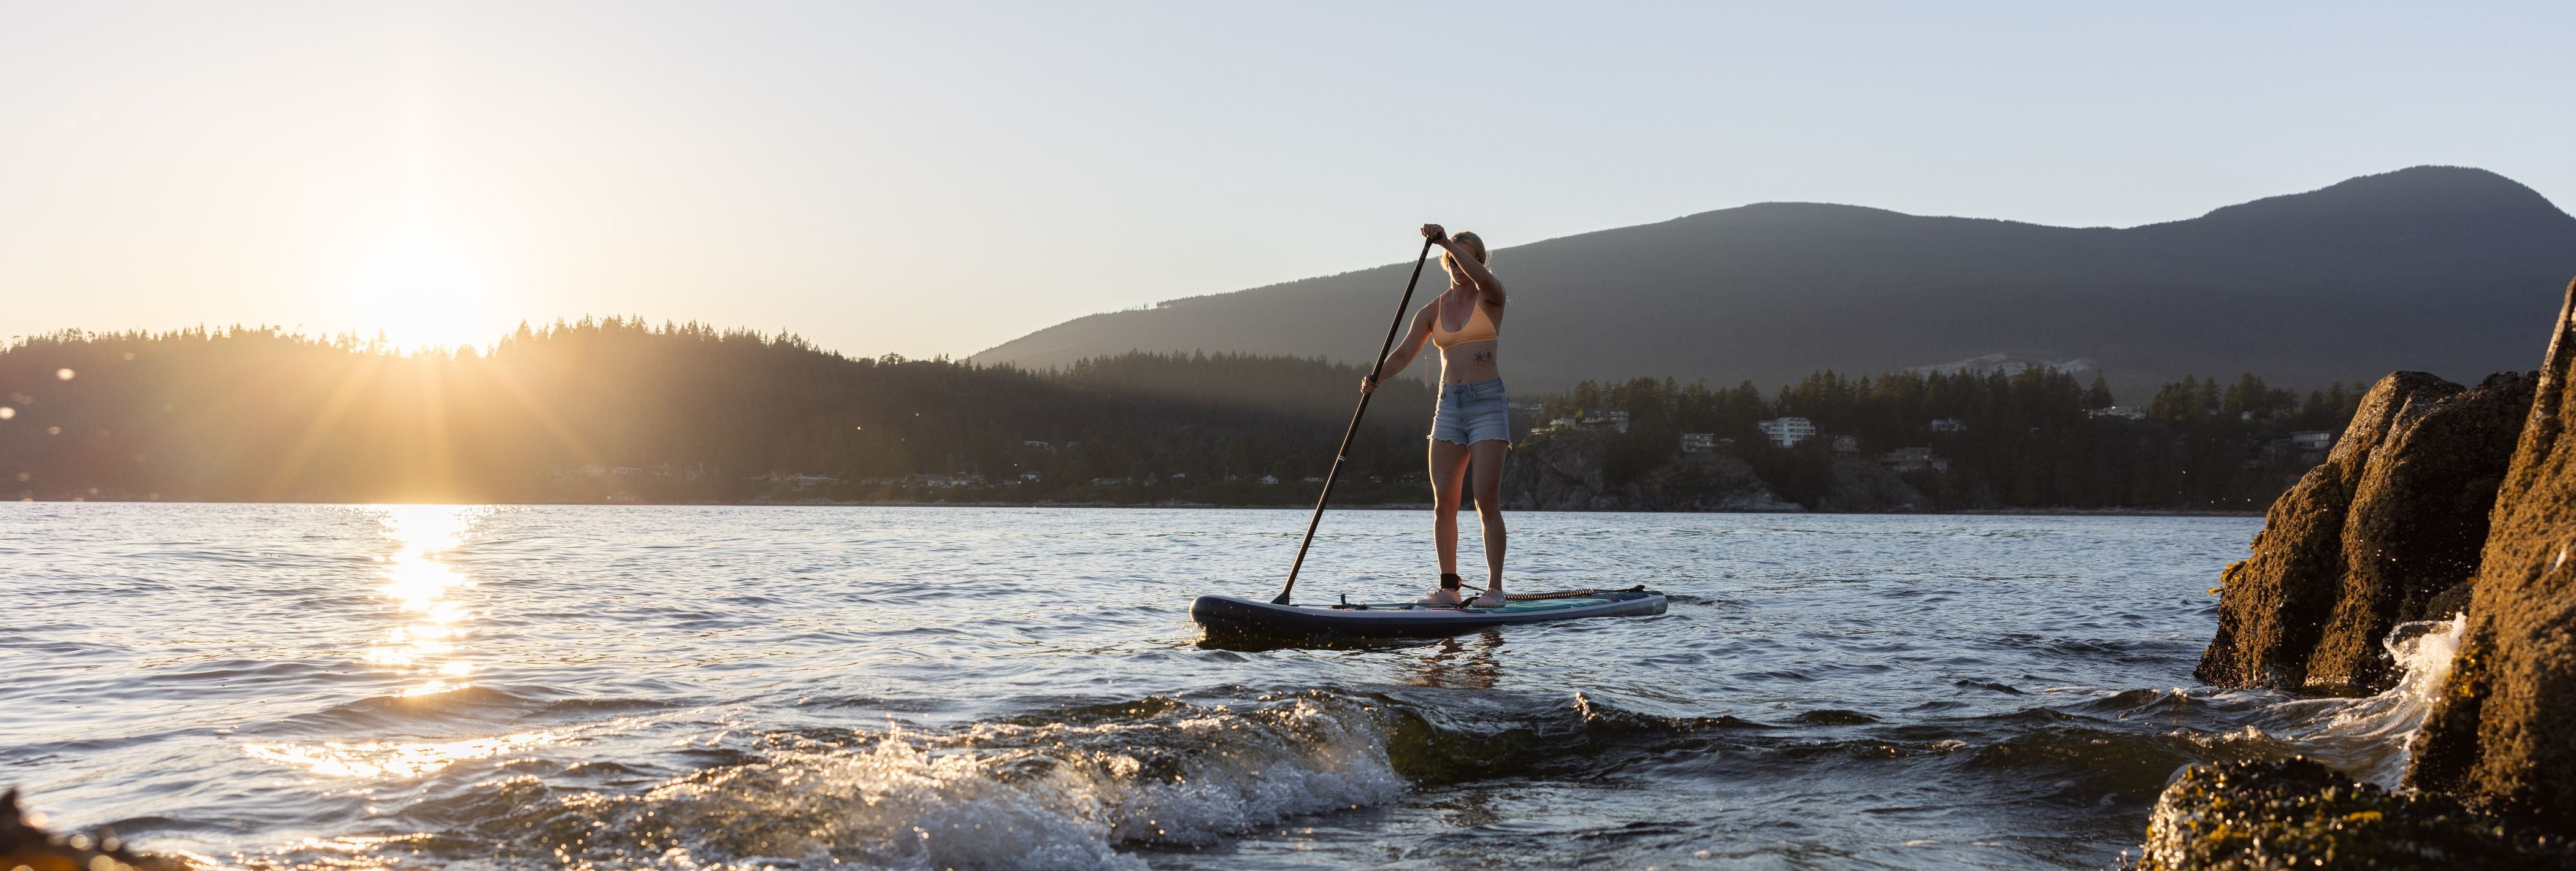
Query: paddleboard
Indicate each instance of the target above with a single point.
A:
(1237, 615)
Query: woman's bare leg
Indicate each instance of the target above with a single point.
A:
(1448, 480)
(1488, 472)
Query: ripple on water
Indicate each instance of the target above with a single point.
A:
(348, 686)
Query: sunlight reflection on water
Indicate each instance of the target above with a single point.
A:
(417, 577)
(372, 759)
(1011, 688)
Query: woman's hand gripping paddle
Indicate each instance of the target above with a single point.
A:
(1345, 452)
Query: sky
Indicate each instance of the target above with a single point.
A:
(938, 178)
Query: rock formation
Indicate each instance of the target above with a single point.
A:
(29, 848)
(1570, 471)
(1864, 486)
(2503, 738)
(2297, 813)
(2417, 523)
(2370, 538)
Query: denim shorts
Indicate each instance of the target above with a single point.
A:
(1471, 413)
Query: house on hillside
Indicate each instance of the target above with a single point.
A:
(1913, 460)
(2312, 445)
(1699, 442)
(1787, 432)
(1949, 424)
(2119, 411)
(1602, 418)
(1847, 445)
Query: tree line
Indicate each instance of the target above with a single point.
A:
(2034, 438)
(619, 409)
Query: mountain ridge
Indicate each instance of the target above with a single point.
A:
(2432, 268)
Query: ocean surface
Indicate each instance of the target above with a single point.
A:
(696, 687)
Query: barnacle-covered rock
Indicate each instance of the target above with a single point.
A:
(2296, 813)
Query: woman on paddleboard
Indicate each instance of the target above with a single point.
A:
(1471, 431)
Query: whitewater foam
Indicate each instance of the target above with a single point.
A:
(2369, 737)
(994, 795)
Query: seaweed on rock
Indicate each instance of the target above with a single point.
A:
(2298, 813)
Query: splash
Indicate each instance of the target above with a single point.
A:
(2369, 737)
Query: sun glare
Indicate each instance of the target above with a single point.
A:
(426, 643)
(419, 293)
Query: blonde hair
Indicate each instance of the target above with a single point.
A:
(1474, 244)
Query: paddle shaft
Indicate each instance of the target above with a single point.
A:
(1344, 453)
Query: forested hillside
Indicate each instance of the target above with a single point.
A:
(619, 410)
(2441, 269)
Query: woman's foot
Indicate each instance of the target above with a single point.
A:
(1493, 598)
(1446, 596)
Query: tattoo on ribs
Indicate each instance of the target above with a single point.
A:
(1484, 356)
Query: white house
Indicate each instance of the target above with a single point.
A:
(1949, 424)
(1699, 442)
(1787, 432)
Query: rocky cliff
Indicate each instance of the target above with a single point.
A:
(2373, 537)
(2409, 519)
(1570, 471)
(2503, 738)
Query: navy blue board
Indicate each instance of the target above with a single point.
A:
(1234, 615)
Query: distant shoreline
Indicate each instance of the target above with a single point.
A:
(1392, 506)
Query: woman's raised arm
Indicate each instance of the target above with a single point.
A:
(1402, 354)
(1489, 288)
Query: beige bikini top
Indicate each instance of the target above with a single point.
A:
(1478, 328)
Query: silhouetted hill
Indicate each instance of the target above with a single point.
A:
(2431, 268)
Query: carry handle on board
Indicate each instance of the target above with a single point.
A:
(1345, 452)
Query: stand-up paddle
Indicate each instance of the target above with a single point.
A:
(1343, 454)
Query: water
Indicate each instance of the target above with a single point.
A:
(354, 687)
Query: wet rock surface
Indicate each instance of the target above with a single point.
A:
(2296, 813)
(25, 846)
(2417, 523)
(2394, 517)
(2274, 604)
(2503, 737)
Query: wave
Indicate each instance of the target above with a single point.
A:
(1092, 786)
(1071, 791)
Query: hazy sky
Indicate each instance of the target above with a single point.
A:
(939, 178)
